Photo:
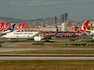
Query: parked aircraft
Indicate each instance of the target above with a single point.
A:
(33, 35)
(6, 29)
(79, 31)
(90, 31)
(82, 29)
(4, 26)
(18, 35)
(14, 32)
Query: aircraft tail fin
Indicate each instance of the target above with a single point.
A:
(83, 27)
(4, 26)
(12, 27)
(20, 26)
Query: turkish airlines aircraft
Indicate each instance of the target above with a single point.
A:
(22, 35)
(16, 33)
(6, 29)
(90, 31)
(83, 27)
(31, 35)
(19, 34)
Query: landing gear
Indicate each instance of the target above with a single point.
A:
(47, 40)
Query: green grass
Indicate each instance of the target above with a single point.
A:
(72, 44)
(61, 45)
(91, 40)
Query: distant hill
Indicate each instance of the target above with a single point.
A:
(26, 21)
(40, 20)
(11, 19)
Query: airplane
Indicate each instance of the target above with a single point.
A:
(6, 29)
(90, 30)
(33, 35)
(82, 29)
(73, 33)
(18, 35)
(4, 26)
(78, 32)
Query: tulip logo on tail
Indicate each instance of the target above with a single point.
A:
(83, 27)
(4, 26)
(20, 26)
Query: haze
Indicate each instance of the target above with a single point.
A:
(78, 10)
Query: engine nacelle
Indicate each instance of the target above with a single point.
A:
(38, 38)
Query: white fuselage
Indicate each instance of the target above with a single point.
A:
(91, 32)
(20, 35)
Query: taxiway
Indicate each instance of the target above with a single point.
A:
(46, 56)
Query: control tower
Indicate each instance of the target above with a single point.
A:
(63, 27)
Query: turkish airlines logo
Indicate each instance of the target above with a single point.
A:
(5, 26)
(19, 26)
(83, 28)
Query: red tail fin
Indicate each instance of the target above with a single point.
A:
(4, 26)
(83, 27)
(1, 25)
(20, 26)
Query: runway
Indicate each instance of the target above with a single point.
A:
(43, 56)
(46, 56)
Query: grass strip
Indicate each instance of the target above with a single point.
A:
(47, 65)
(51, 52)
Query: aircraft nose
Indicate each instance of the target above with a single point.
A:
(4, 36)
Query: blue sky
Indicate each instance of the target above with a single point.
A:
(78, 10)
